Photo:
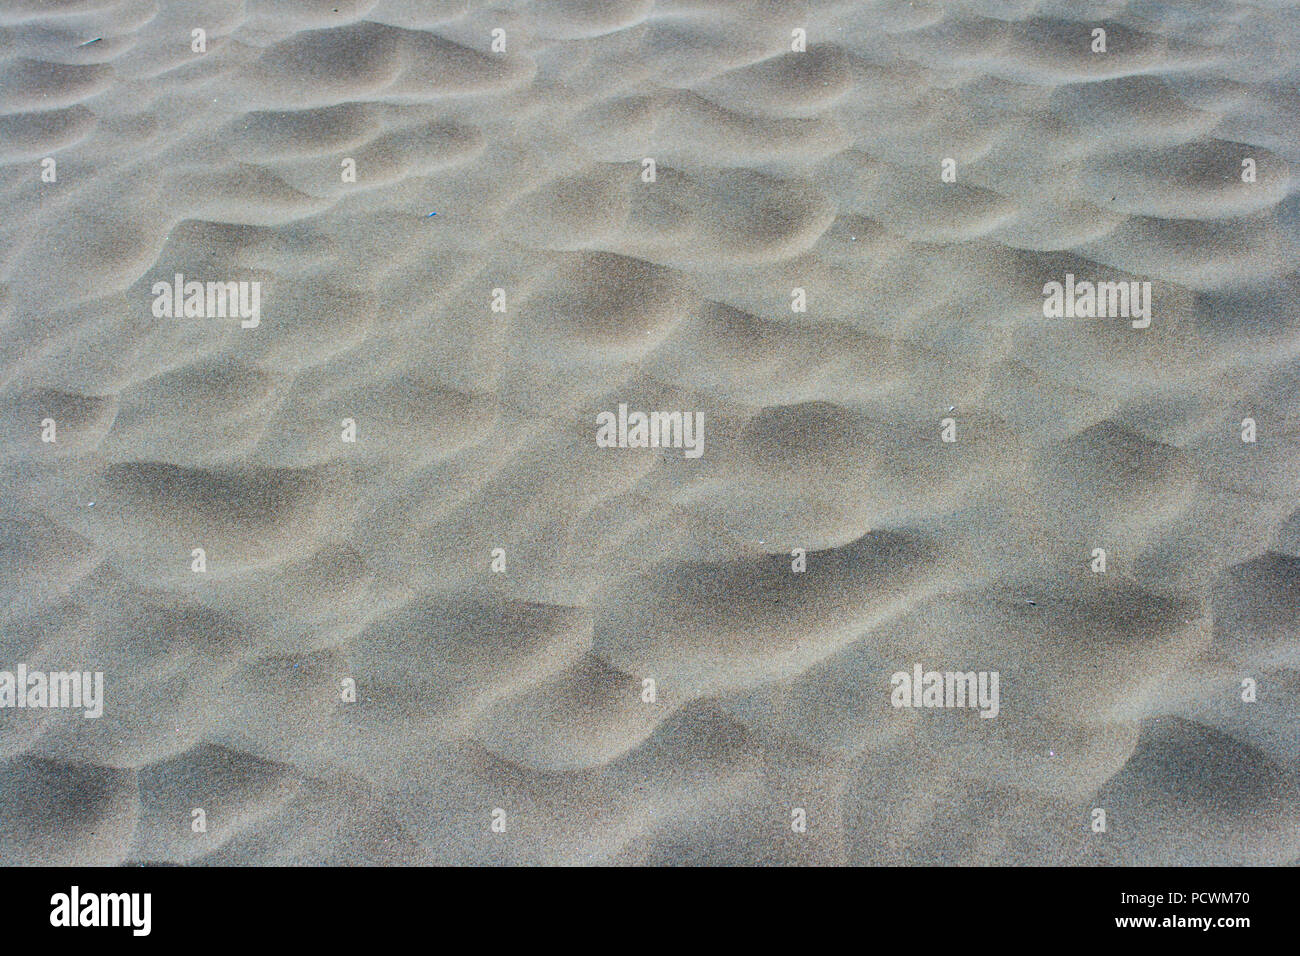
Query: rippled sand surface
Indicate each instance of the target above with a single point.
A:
(524, 690)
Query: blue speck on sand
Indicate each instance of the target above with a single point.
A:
(431, 215)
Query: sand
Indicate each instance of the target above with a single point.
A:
(564, 653)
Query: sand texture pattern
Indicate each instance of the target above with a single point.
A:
(564, 653)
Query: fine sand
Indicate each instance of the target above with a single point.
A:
(508, 690)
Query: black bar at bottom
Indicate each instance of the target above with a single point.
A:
(334, 906)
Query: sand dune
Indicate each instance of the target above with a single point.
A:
(363, 583)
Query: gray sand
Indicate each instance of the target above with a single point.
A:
(386, 472)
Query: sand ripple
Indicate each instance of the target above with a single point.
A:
(526, 690)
